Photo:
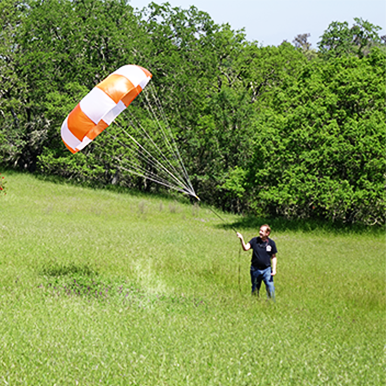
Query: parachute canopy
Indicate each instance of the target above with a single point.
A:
(98, 109)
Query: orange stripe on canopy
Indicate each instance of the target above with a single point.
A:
(116, 86)
(79, 123)
(102, 125)
(131, 95)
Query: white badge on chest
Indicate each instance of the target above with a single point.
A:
(269, 248)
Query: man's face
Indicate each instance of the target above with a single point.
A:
(263, 232)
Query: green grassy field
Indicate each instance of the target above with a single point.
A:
(105, 288)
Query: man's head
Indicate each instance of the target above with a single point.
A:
(264, 232)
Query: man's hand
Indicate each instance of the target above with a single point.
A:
(247, 246)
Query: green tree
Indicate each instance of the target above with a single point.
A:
(319, 149)
(340, 40)
(12, 87)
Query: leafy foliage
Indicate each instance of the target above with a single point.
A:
(358, 40)
(319, 151)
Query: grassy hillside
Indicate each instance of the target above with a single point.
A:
(100, 287)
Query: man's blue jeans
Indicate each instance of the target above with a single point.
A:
(259, 275)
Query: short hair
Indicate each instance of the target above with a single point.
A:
(267, 227)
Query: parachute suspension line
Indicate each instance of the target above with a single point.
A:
(174, 149)
(140, 171)
(153, 92)
(156, 177)
(152, 113)
(151, 179)
(148, 157)
(147, 137)
(144, 171)
(165, 139)
(155, 118)
(147, 173)
(150, 176)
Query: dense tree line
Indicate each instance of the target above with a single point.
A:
(285, 131)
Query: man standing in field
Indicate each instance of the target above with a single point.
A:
(264, 252)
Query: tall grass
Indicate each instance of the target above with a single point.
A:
(101, 287)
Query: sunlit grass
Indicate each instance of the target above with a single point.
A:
(99, 287)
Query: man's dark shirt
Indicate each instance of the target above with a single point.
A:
(262, 252)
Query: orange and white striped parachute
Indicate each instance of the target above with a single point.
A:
(98, 109)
